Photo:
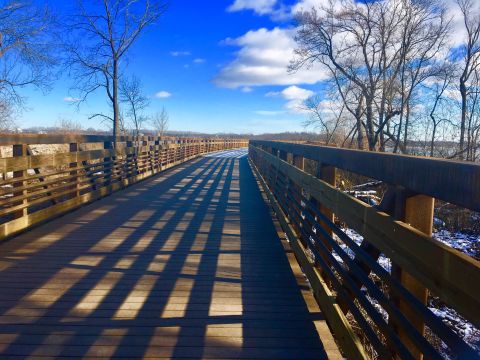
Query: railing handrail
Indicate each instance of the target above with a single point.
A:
(31, 139)
(457, 182)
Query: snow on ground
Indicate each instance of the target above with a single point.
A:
(352, 234)
(468, 244)
(465, 329)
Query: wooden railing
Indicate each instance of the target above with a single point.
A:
(36, 186)
(354, 288)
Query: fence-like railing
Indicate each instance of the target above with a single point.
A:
(377, 278)
(43, 176)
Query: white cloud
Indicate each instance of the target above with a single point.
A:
(246, 89)
(162, 94)
(199, 61)
(263, 59)
(459, 33)
(260, 7)
(269, 112)
(295, 92)
(70, 99)
(272, 93)
(274, 8)
(295, 97)
(307, 5)
(180, 53)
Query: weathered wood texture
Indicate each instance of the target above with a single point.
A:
(47, 185)
(187, 264)
(352, 268)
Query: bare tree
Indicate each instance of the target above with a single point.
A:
(470, 52)
(328, 119)
(439, 87)
(160, 122)
(473, 119)
(26, 53)
(6, 116)
(369, 45)
(68, 126)
(136, 102)
(352, 98)
(102, 34)
(424, 36)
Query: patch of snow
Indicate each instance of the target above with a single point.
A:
(468, 244)
(357, 238)
(466, 330)
(438, 223)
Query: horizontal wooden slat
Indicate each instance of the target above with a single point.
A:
(41, 161)
(11, 139)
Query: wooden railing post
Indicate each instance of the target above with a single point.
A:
(157, 154)
(20, 150)
(73, 148)
(145, 154)
(418, 211)
(108, 167)
(328, 174)
(130, 161)
(298, 161)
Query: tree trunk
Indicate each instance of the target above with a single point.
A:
(463, 93)
(370, 131)
(360, 139)
(358, 116)
(432, 143)
(116, 110)
(407, 123)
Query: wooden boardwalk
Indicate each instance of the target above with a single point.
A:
(187, 264)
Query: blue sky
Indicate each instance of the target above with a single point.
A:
(222, 63)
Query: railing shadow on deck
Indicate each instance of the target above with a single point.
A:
(171, 268)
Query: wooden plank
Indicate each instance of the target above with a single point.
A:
(10, 139)
(449, 273)
(41, 161)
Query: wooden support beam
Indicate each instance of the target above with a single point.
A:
(73, 148)
(326, 173)
(298, 161)
(20, 150)
(418, 213)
